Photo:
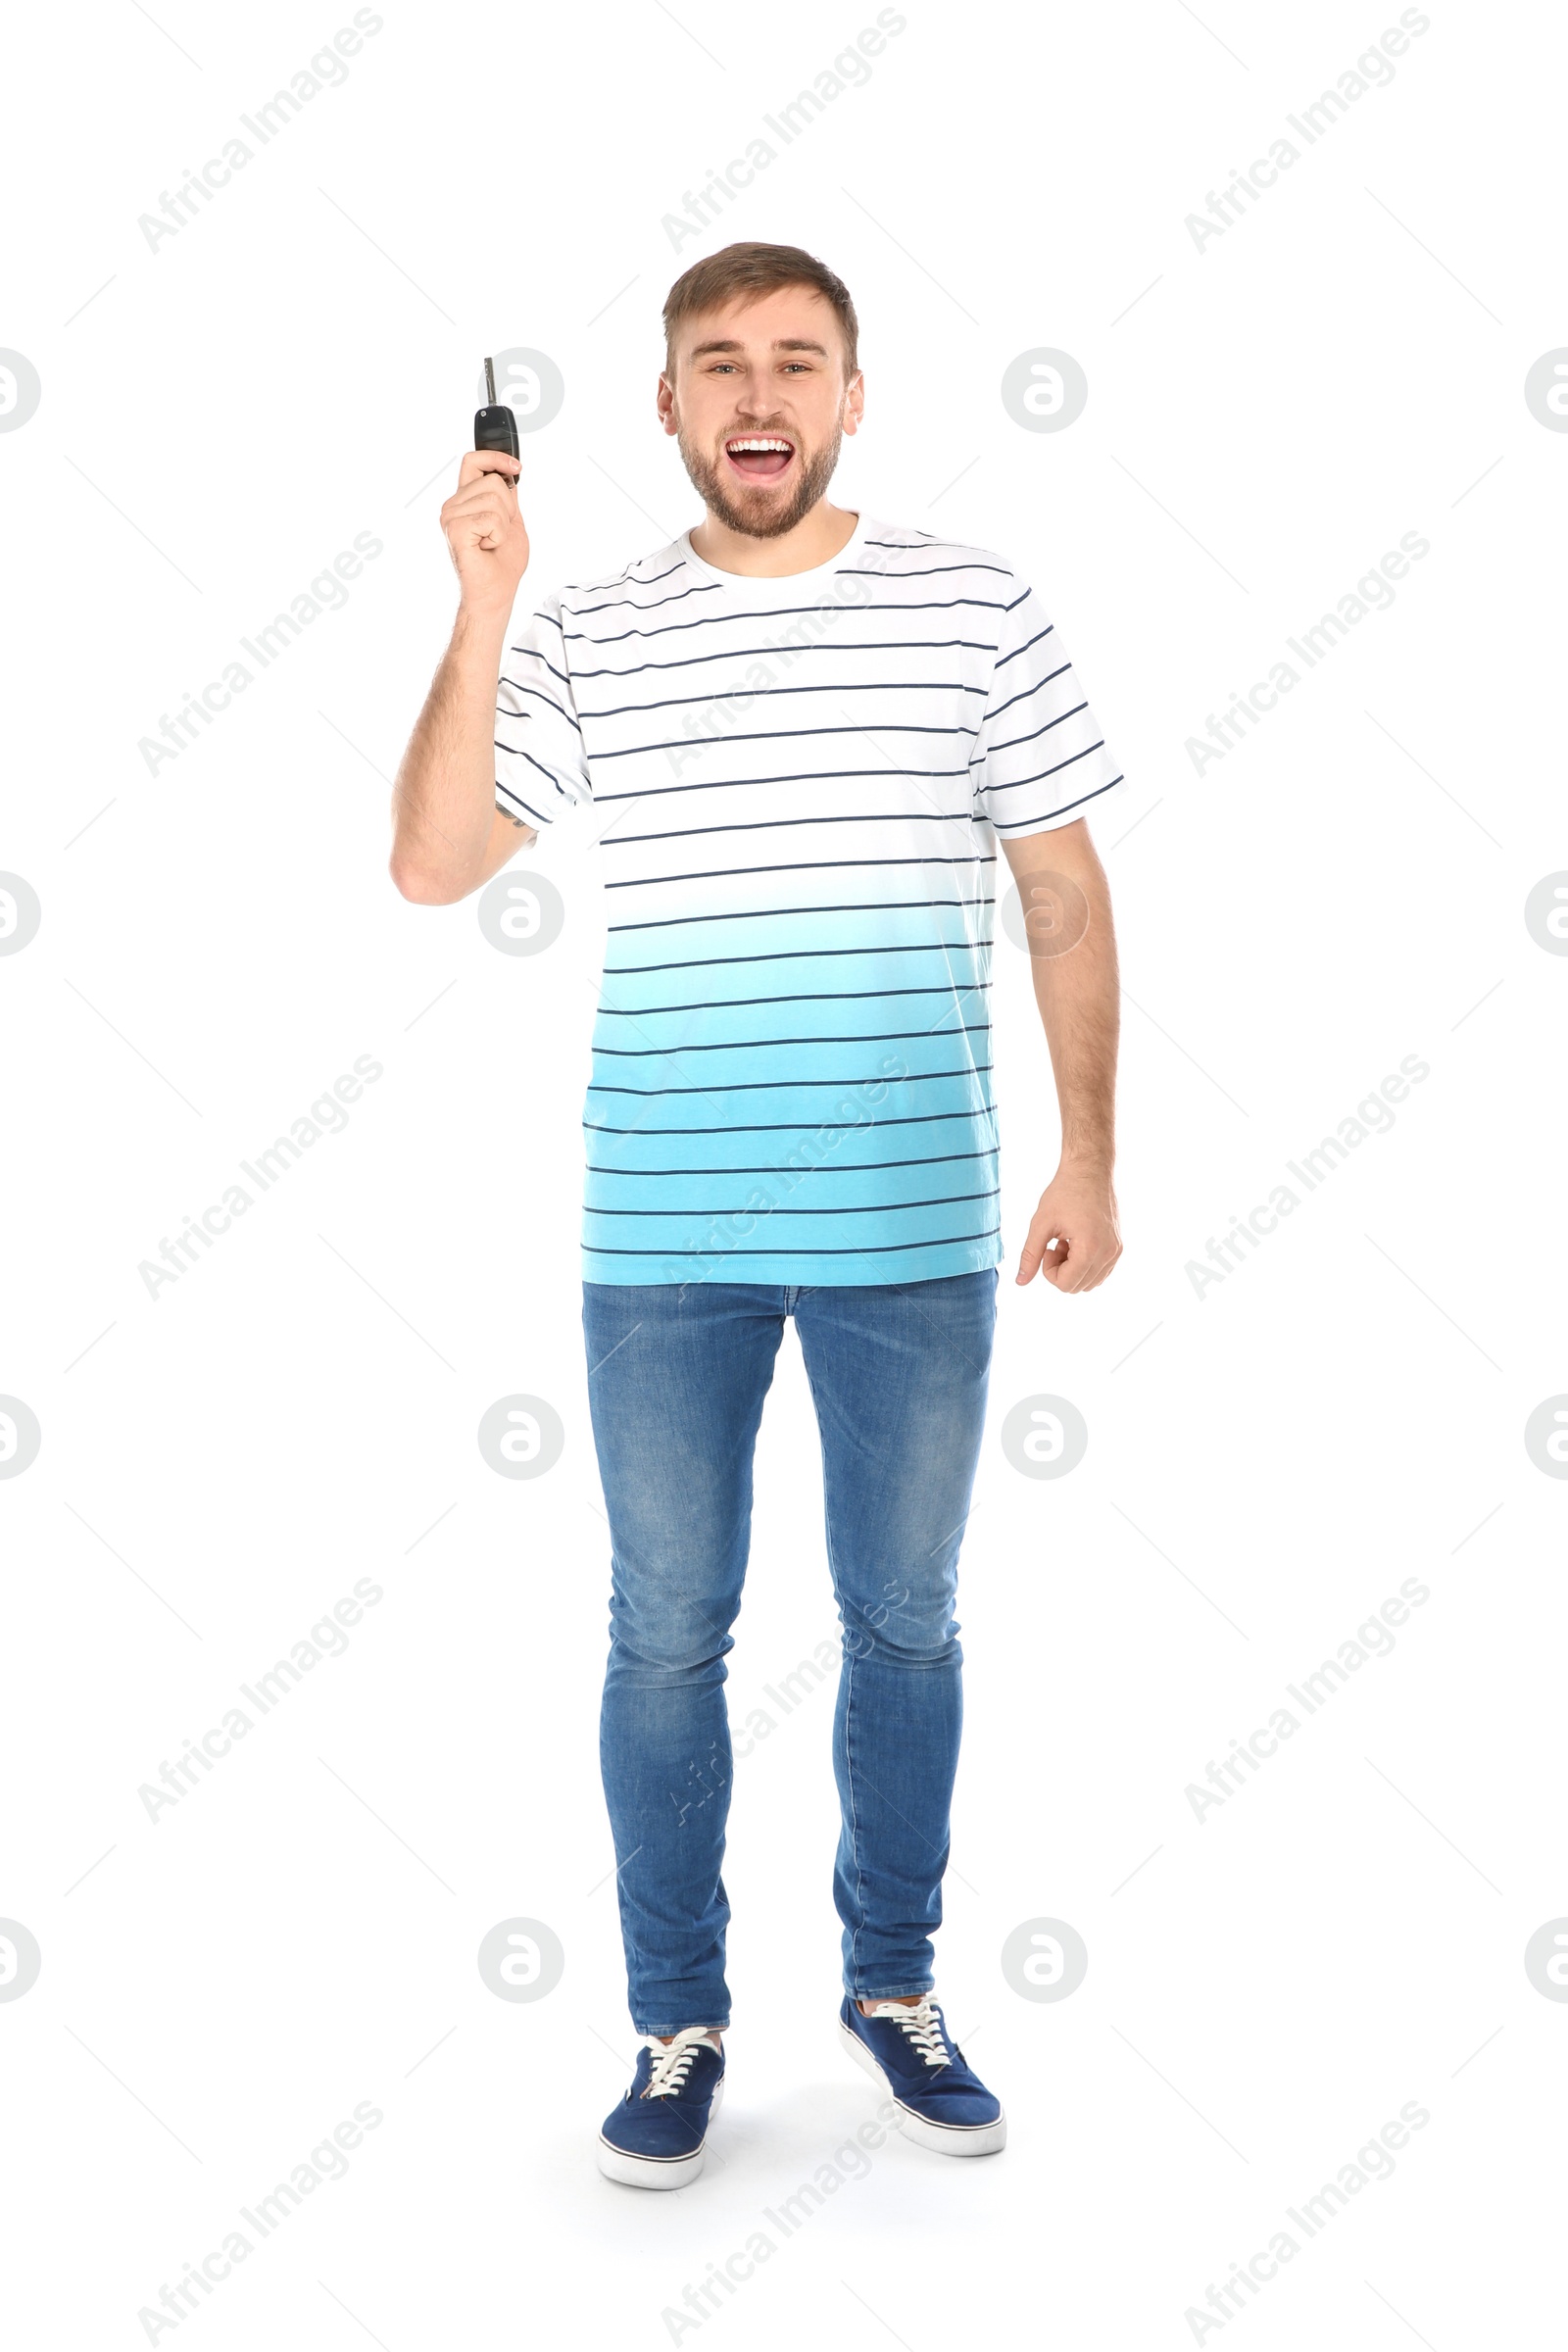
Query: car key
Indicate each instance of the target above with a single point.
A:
(494, 425)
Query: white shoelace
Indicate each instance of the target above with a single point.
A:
(672, 2061)
(921, 2021)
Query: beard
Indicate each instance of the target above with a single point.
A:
(750, 508)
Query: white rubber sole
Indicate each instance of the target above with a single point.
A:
(656, 2172)
(949, 2139)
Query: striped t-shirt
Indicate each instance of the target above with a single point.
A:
(798, 786)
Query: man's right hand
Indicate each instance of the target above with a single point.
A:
(484, 531)
(448, 835)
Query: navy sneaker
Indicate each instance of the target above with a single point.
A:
(941, 2100)
(657, 2137)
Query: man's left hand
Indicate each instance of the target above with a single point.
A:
(1074, 1239)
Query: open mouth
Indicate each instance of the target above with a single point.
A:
(759, 457)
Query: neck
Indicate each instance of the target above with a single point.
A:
(816, 539)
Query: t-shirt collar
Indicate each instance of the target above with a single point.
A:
(748, 587)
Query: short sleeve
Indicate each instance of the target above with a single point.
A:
(1040, 759)
(540, 768)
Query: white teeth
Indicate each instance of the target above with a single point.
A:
(760, 444)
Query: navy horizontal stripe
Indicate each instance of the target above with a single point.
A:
(1022, 696)
(884, 726)
(1046, 772)
(775, 824)
(615, 605)
(793, 954)
(808, 775)
(533, 653)
(593, 587)
(512, 752)
(1023, 823)
(540, 697)
(880, 571)
(922, 1118)
(739, 1250)
(811, 865)
(759, 1045)
(1013, 741)
(831, 996)
(705, 621)
(522, 803)
(667, 922)
(868, 1167)
(750, 694)
(1019, 651)
(777, 1086)
(781, 1208)
(825, 645)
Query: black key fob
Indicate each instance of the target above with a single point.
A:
(494, 425)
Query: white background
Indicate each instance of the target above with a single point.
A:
(220, 417)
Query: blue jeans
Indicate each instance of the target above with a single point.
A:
(677, 1375)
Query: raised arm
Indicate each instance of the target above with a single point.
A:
(448, 835)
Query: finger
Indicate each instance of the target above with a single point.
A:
(1029, 1257)
(1092, 1273)
(1107, 1267)
(481, 498)
(479, 461)
(1072, 1266)
(1039, 1255)
(478, 522)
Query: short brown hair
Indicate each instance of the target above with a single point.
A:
(746, 272)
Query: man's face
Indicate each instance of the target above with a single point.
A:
(770, 372)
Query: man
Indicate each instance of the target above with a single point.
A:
(804, 732)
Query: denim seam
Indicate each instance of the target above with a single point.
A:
(710, 2025)
(854, 1819)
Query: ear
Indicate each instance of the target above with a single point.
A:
(666, 404)
(855, 402)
